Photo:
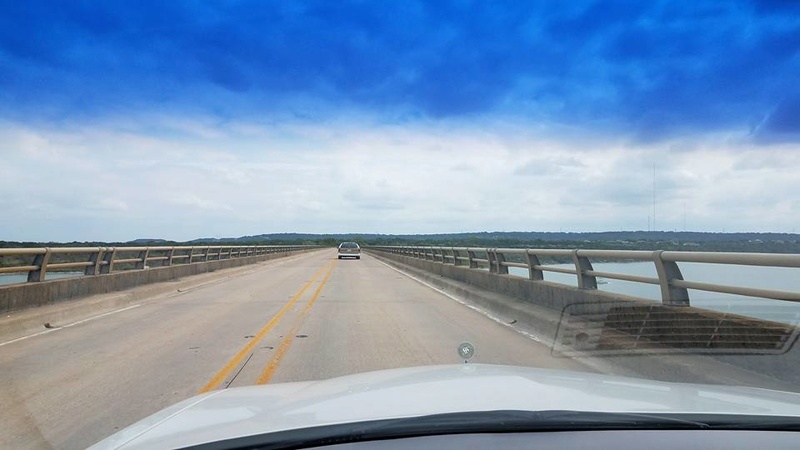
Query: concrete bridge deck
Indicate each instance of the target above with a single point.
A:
(106, 361)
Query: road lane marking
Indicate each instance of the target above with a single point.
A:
(52, 330)
(531, 336)
(594, 363)
(254, 341)
(273, 363)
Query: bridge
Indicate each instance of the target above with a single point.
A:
(140, 328)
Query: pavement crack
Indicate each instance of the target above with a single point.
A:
(239, 371)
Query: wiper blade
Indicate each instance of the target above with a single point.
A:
(505, 421)
(521, 421)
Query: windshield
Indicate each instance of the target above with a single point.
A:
(205, 196)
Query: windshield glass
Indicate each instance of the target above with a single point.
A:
(203, 196)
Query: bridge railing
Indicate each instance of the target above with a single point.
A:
(37, 262)
(674, 288)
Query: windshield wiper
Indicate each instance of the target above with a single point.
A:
(501, 422)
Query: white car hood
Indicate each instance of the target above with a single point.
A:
(421, 391)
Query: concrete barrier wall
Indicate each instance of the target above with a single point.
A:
(541, 303)
(33, 294)
(557, 315)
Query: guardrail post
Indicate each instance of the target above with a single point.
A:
(108, 261)
(533, 261)
(496, 261)
(499, 259)
(456, 255)
(170, 257)
(95, 259)
(40, 260)
(667, 272)
(142, 263)
(472, 263)
(582, 264)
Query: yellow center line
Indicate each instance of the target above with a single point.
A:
(273, 363)
(237, 359)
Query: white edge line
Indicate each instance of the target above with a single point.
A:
(531, 336)
(595, 363)
(70, 325)
(28, 336)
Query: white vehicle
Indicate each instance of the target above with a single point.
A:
(349, 250)
(473, 406)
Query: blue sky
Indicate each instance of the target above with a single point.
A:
(127, 119)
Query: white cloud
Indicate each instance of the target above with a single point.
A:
(106, 181)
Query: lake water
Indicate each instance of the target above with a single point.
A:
(777, 278)
(12, 278)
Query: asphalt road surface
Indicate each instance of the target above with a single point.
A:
(301, 318)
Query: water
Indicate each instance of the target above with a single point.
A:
(13, 278)
(776, 278)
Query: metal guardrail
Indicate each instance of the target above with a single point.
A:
(674, 288)
(105, 260)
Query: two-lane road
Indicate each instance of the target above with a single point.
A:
(302, 318)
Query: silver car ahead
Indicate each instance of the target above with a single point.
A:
(349, 250)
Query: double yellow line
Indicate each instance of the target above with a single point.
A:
(269, 370)
(272, 365)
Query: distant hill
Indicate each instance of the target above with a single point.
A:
(530, 236)
(146, 241)
(684, 240)
(627, 240)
